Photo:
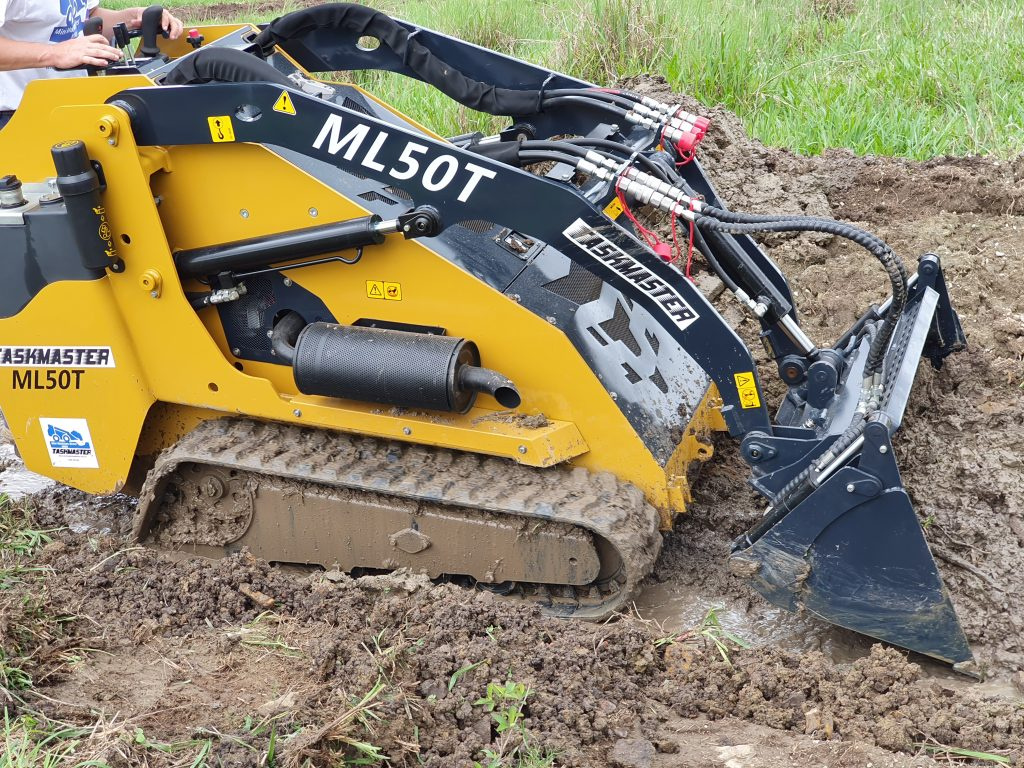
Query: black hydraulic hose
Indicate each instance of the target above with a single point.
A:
(576, 146)
(528, 156)
(616, 148)
(583, 101)
(590, 93)
(890, 262)
(737, 217)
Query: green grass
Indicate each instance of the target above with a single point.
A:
(915, 79)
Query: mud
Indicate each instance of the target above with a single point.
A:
(186, 649)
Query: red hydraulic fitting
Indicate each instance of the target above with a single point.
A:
(664, 251)
(688, 142)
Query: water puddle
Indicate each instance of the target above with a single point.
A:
(72, 509)
(677, 607)
(16, 481)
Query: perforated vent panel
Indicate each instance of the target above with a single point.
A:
(355, 106)
(398, 192)
(659, 381)
(373, 196)
(246, 321)
(477, 225)
(579, 286)
(617, 328)
(653, 341)
(631, 376)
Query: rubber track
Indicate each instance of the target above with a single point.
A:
(598, 502)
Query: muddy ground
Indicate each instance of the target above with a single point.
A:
(251, 659)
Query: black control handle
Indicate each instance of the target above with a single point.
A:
(93, 26)
(152, 25)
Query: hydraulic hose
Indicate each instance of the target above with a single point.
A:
(890, 262)
(584, 101)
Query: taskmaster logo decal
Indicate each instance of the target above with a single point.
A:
(75, 13)
(611, 255)
(69, 443)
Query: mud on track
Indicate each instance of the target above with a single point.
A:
(190, 649)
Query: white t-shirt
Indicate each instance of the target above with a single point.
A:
(38, 21)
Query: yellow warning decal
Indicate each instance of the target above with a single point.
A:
(284, 104)
(221, 128)
(614, 209)
(378, 289)
(746, 386)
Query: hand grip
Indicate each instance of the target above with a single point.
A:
(93, 26)
(152, 25)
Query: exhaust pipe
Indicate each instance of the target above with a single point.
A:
(492, 383)
(379, 365)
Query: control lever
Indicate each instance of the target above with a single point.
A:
(93, 26)
(152, 25)
(123, 40)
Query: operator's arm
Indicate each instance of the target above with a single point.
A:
(132, 17)
(94, 50)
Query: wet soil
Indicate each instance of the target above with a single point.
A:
(189, 649)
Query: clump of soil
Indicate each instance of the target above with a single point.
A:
(880, 698)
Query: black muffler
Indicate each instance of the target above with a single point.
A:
(379, 365)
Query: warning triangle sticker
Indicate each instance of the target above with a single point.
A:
(375, 291)
(284, 104)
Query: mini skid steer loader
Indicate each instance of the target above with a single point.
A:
(292, 319)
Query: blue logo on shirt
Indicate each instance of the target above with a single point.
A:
(74, 19)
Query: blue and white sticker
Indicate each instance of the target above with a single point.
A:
(69, 443)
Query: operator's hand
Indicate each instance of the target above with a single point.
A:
(92, 49)
(172, 25)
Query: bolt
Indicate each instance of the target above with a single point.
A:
(883, 449)
(851, 488)
(244, 213)
(236, 351)
(406, 431)
(314, 212)
(111, 142)
(270, 334)
(406, 228)
(297, 413)
(287, 282)
(755, 453)
(154, 295)
(522, 449)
